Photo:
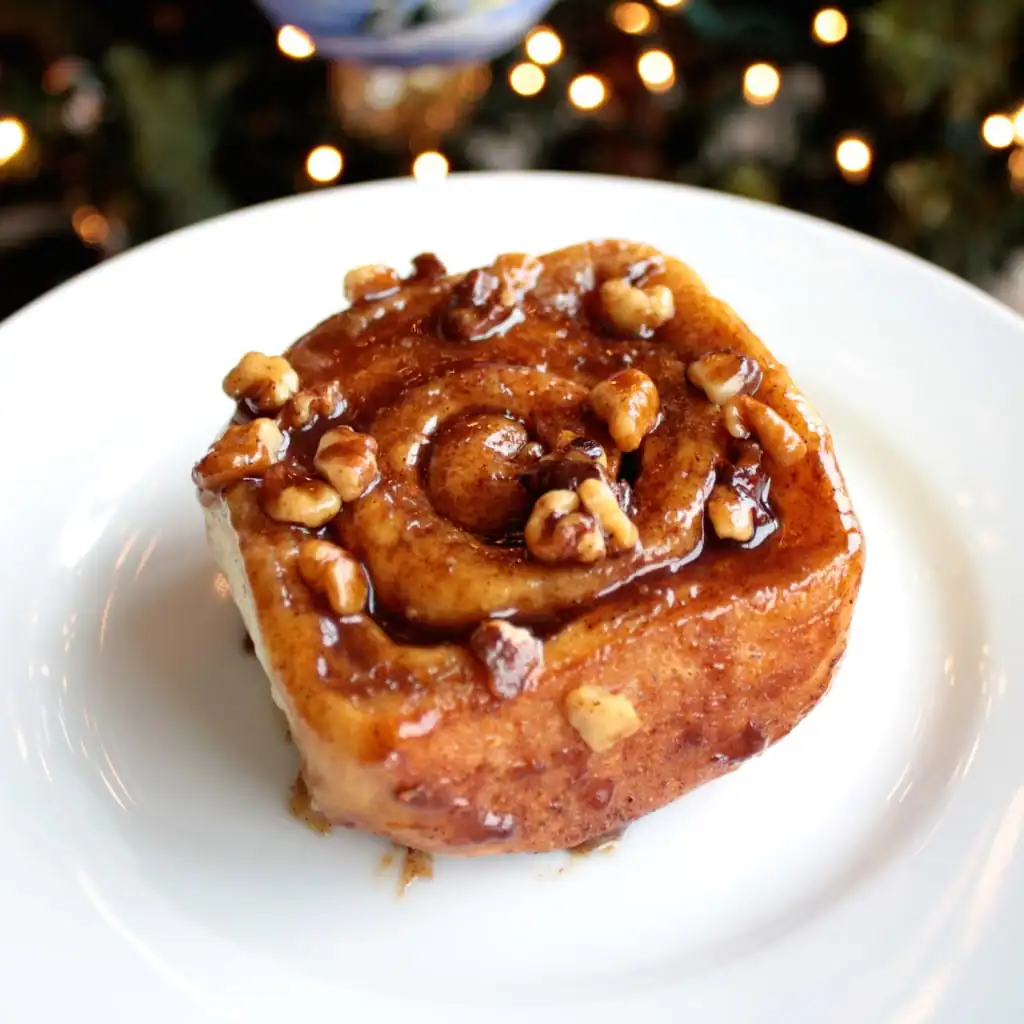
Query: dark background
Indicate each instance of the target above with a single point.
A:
(140, 116)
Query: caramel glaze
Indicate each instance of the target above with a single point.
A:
(476, 406)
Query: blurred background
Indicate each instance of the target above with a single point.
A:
(124, 119)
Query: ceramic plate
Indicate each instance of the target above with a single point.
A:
(867, 868)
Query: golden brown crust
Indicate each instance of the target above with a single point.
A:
(718, 648)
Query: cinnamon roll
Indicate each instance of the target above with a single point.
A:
(531, 551)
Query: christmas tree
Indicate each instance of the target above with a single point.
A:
(120, 120)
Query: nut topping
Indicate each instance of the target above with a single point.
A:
(333, 572)
(514, 657)
(311, 503)
(723, 375)
(637, 311)
(485, 298)
(734, 422)
(370, 282)
(557, 532)
(567, 467)
(745, 415)
(348, 460)
(244, 450)
(266, 381)
(517, 274)
(628, 402)
(602, 718)
(426, 267)
(731, 515)
(602, 503)
(325, 400)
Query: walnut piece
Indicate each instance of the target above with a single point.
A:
(517, 274)
(723, 375)
(325, 400)
(628, 402)
(244, 450)
(266, 381)
(557, 532)
(637, 311)
(602, 503)
(333, 572)
(734, 421)
(514, 657)
(310, 503)
(602, 718)
(370, 282)
(567, 466)
(486, 297)
(348, 460)
(745, 416)
(731, 515)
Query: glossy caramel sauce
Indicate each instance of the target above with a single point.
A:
(462, 424)
(501, 402)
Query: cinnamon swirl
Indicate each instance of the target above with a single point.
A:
(531, 551)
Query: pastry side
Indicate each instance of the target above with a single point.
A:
(530, 552)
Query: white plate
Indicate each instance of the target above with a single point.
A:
(867, 868)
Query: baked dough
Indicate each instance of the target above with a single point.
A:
(593, 546)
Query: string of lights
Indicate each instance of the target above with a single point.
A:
(588, 92)
(689, 90)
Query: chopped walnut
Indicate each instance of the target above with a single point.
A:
(517, 274)
(567, 467)
(731, 514)
(311, 503)
(333, 572)
(485, 298)
(266, 381)
(370, 282)
(585, 449)
(474, 307)
(723, 375)
(244, 450)
(321, 401)
(734, 421)
(426, 267)
(557, 532)
(602, 718)
(348, 460)
(628, 402)
(514, 657)
(603, 504)
(745, 416)
(637, 311)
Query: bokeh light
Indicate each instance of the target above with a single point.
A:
(543, 46)
(587, 92)
(430, 166)
(1015, 165)
(761, 83)
(657, 70)
(997, 130)
(853, 155)
(324, 164)
(830, 26)
(90, 225)
(632, 18)
(527, 79)
(12, 138)
(295, 43)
